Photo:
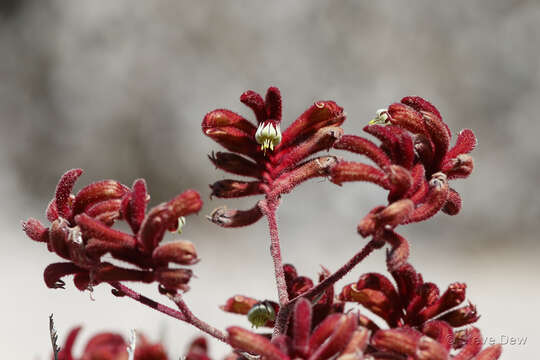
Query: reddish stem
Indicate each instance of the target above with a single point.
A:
(284, 311)
(198, 323)
(269, 207)
(184, 314)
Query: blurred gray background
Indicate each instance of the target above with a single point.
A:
(119, 88)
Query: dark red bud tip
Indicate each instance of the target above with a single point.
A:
(35, 230)
(180, 252)
(453, 203)
(63, 192)
(273, 104)
(460, 317)
(465, 143)
(54, 273)
(235, 218)
(421, 104)
(52, 211)
(245, 340)
(256, 103)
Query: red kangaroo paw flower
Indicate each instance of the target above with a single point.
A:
(441, 332)
(453, 296)
(136, 205)
(96, 229)
(97, 192)
(235, 164)
(465, 143)
(301, 327)
(105, 211)
(460, 317)
(406, 117)
(472, 346)
(460, 167)
(255, 101)
(339, 338)
(453, 203)
(179, 252)
(245, 340)
(320, 166)
(435, 199)
(63, 192)
(234, 188)
(54, 273)
(273, 103)
(359, 145)
(235, 218)
(35, 230)
(345, 171)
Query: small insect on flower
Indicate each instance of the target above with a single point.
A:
(261, 313)
(381, 118)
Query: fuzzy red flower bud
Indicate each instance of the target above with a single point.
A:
(179, 252)
(301, 327)
(35, 230)
(234, 188)
(245, 340)
(97, 192)
(365, 147)
(235, 218)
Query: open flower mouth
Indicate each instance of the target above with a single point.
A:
(268, 135)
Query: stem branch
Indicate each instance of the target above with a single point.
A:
(269, 208)
(285, 310)
(184, 314)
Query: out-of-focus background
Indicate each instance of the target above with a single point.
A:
(119, 88)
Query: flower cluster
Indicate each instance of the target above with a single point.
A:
(422, 323)
(111, 346)
(81, 232)
(277, 161)
(413, 162)
(297, 285)
(341, 336)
